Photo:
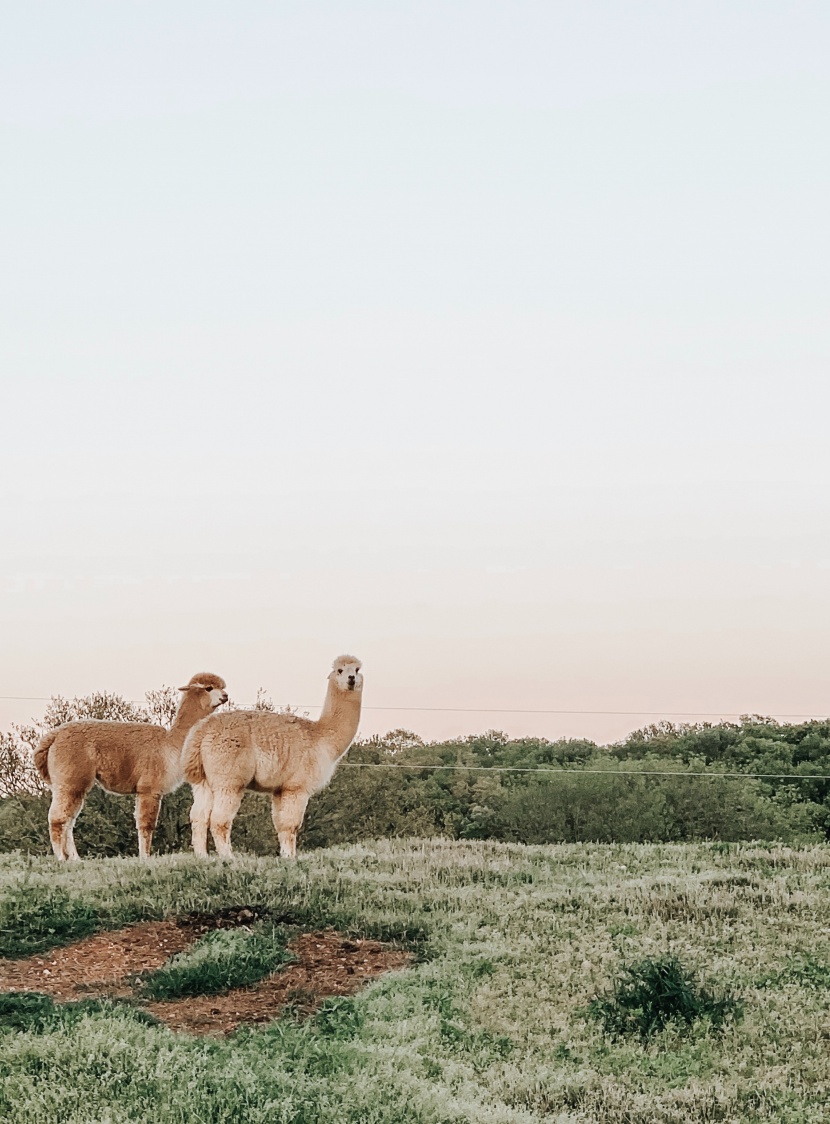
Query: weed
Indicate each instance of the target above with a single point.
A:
(623, 930)
(805, 970)
(339, 1017)
(650, 995)
(299, 1002)
(480, 969)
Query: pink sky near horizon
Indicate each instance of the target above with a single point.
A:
(507, 646)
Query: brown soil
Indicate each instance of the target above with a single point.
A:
(327, 964)
(103, 965)
(107, 964)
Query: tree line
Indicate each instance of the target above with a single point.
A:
(663, 783)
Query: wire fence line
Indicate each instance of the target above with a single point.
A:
(577, 772)
(808, 715)
(560, 771)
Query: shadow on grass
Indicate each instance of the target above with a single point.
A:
(36, 918)
(31, 1011)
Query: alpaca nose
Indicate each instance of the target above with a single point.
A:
(351, 681)
(224, 696)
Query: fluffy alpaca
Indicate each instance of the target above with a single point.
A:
(121, 757)
(290, 757)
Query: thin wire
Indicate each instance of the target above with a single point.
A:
(505, 710)
(498, 710)
(596, 772)
(555, 772)
(26, 698)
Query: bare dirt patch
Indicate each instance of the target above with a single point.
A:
(327, 964)
(104, 964)
(109, 964)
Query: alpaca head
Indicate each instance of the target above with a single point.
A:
(346, 674)
(207, 690)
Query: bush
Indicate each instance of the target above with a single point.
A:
(650, 995)
(574, 806)
(646, 789)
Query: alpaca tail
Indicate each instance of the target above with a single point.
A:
(42, 755)
(194, 772)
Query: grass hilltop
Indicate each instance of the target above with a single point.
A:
(513, 1006)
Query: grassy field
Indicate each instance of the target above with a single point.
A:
(490, 1023)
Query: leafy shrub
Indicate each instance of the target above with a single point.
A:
(649, 995)
(224, 959)
(463, 788)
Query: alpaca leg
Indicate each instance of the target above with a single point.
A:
(287, 812)
(63, 811)
(147, 805)
(225, 806)
(200, 817)
(69, 839)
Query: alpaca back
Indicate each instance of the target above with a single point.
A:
(256, 749)
(123, 757)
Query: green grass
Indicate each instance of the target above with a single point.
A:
(28, 1010)
(36, 916)
(656, 992)
(487, 1026)
(221, 960)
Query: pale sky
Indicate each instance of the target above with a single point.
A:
(488, 341)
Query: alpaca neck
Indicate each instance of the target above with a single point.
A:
(187, 716)
(339, 720)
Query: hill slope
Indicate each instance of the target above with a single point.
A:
(488, 1022)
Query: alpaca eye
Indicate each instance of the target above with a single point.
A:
(340, 671)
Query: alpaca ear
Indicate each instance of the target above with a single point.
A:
(186, 687)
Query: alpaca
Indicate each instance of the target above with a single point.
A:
(121, 757)
(290, 757)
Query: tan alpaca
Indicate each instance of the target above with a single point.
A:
(290, 757)
(121, 757)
